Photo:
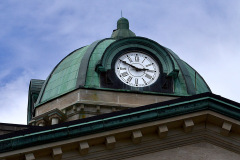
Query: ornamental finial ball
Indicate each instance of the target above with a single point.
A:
(122, 23)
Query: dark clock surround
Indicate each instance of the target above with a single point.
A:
(109, 79)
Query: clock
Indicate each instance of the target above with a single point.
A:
(137, 69)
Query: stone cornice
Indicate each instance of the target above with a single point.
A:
(122, 119)
(206, 126)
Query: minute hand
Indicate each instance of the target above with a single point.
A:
(137, 69)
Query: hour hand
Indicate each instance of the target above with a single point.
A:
(144, 69)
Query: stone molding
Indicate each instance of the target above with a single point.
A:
(208, 127)
(101, 98)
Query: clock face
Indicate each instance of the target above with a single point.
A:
(137, 69)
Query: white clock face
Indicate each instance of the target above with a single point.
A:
(137, 69)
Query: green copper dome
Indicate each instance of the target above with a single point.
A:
(87, 67)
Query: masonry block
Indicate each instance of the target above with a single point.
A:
(83, 148)
(57, 153)
(136, 136)
(110, 142)
(188, 125)
(29, 156)
(74, 108)
(81, 107)
(41, 122)
(162, 131)
(98, 108)
(226, 128)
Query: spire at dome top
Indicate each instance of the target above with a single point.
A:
(122, 30)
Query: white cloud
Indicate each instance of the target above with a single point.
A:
(13, 100)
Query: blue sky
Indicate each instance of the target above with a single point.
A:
(36, 35)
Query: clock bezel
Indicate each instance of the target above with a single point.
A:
(109, 78)
(152, 59)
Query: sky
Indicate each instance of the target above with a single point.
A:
(36, 35)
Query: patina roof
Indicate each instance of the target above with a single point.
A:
(80, 68)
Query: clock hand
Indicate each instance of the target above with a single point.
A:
(143, 69)
(137, 69)
(127, 63)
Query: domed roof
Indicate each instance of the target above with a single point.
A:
(86, 67)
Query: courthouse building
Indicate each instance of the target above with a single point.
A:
(123, 98)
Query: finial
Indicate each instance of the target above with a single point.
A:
(122, 30)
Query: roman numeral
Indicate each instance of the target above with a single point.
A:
(130, 60)
(122, 68)
(151, 71)
(148, 65)
(129, 79)
(144, 60)
(136, 58)
(148, 76)
(136, 81)
(124, 74)
(144, 81)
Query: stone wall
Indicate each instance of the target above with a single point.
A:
(85, 103)
(198, 151)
